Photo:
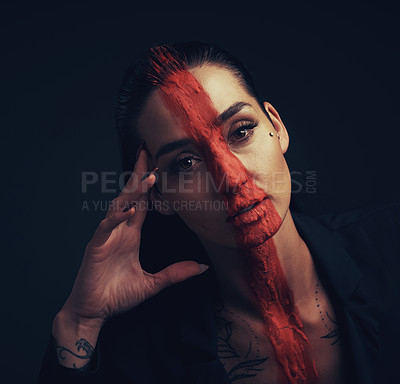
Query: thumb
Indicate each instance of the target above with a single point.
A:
(177, 272)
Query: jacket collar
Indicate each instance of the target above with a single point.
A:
(335, 266)
(358, 308)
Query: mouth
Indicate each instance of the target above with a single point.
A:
(246, 209)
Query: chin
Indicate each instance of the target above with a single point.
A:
(251, 236)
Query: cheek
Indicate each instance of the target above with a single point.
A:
(278, 175)
(198, 203)
(266, 165)
(207, 218)
(186, 186)
(281, 182)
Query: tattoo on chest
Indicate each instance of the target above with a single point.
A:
(329, 322)
(238, 365)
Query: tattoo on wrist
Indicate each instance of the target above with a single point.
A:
(82, 345)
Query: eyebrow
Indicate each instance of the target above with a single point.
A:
(231, 111)
(172, 146)
(222, 118)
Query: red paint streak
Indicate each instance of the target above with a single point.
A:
(186, 98)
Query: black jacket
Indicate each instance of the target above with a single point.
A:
(171, 338)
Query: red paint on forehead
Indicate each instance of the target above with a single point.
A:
(187, 99)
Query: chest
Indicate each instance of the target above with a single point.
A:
(248, 356)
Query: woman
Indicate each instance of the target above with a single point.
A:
(266, 295)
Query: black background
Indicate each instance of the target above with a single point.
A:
(332, 73)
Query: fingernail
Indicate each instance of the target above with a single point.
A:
(147, 174)
(132, 204)
(139, 149)
(203, 268)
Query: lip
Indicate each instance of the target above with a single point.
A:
(245, 211)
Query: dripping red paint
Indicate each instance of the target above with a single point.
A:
(186, 98)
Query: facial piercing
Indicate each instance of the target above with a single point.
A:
(277, 135)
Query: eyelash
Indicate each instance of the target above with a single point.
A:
(244, 126)
(174, 167)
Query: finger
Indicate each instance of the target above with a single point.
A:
(142, 204)
(175, 273)
(133, 179)
(110, 223)
(138, 191)
(140, 169)
(134, 188)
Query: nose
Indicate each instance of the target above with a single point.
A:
(235, 189)
(230, 173)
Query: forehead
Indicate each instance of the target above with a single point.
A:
(157, 124)
(221, 85)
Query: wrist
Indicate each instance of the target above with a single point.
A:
(66, 320)
(75, 339)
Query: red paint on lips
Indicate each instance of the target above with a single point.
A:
(245, 209)
(256, 226)
(186, 98)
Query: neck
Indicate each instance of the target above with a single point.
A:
(294, 257)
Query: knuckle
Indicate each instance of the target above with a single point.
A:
(104, 224)
(151, 285)
(114, 202)
(89, 245)
(170, 276)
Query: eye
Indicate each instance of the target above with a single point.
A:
(243, 132)
(183, 164)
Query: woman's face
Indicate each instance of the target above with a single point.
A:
(186, 185)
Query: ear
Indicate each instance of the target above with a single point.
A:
(278, 126)
(161, 205)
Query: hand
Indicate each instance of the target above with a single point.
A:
(111, 280)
